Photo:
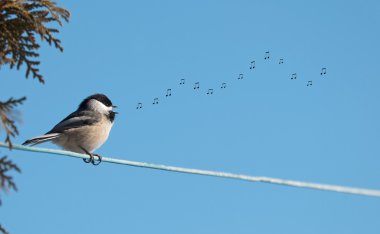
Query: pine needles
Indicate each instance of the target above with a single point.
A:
(20, 22)
(6, 121)
(6, 181)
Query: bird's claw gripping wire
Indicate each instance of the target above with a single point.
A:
(92, 157)
(98, 161)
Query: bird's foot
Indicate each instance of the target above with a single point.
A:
(92, 157)
(88, 160)
(97, 162)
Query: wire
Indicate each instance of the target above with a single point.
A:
(263, 179)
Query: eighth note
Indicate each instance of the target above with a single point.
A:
(196, 85)
(210, 91)
(139, 105)
(281, 61)
(266, 55)
(182, 82)
(294, 76)
(155, 101)
(168, 92)
(309, 83)
(224, 85)
(253, 65)
(240, 77)
(323, 71)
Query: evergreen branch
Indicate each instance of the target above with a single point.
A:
(20, 21)
(6, 121)
(6, 181)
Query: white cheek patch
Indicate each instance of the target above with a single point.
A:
(98, 106)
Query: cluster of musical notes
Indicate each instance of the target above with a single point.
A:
(240, 76)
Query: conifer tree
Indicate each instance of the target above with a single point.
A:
(24, 24)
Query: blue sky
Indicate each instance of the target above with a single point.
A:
(265, 124)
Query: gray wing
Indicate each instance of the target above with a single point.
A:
(75, 120)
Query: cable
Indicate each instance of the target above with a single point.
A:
(293, 183)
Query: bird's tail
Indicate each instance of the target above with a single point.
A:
(41, 139)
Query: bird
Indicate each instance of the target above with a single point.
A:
(84, 130)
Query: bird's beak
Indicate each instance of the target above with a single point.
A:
(115, 111)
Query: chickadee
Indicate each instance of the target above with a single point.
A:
(84, 130)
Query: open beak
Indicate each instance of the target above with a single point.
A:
(115, 111)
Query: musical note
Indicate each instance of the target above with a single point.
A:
(253, 65)
(224, 85)
(266, 55)
(155, 101)
(323, 71)
(182, 82)
(139, 105)
(240, 77)
(294, 76)
(309, 83)
(281, 61)
(210, 91)
(196, 85)
(168, 92)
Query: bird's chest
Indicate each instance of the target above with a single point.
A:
(95, 135)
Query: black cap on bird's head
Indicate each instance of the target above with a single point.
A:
(98, 97)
